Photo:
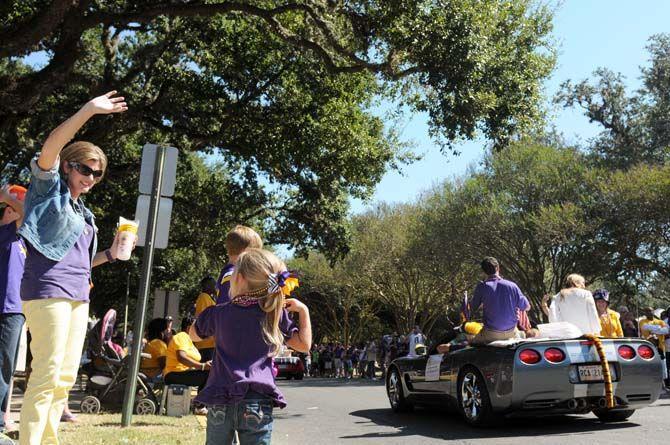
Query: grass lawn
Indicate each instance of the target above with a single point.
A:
(145, 430)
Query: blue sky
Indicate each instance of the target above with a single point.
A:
(589, 34)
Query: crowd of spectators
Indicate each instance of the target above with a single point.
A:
(361, 360)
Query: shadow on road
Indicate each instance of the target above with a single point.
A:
(328, 383)
(448, 426)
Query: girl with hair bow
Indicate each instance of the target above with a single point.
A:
(249, 331)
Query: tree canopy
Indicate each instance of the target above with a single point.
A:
(270, 102)
(544, 208)
(635, 126)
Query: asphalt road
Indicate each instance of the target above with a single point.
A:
(326, 411)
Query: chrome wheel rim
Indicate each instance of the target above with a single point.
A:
(90, 405)
(393, 389)
(471, 397)
(145, 407)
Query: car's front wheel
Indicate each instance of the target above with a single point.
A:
(473, 398)
(396, 393)
(613, 416)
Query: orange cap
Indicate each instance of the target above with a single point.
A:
(18, 192)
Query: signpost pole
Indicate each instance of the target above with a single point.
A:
(145, 284)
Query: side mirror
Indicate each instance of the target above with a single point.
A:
(420, 349)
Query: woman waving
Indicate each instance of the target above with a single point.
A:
(61, 243)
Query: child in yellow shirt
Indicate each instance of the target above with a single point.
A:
(206, 299)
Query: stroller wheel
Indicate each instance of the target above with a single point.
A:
(145, 407)
(90, 405)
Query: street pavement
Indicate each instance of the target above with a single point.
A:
(329, 411)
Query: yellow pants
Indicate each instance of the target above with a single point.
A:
(58, 328)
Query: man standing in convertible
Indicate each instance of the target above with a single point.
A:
(501, 301)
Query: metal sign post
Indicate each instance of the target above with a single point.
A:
(147, 262)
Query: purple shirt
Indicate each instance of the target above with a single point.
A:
(223, 284)
(241, 362)
(12, 259)
(68, 278)
(501, 299)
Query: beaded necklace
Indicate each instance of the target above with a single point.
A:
(250, 298)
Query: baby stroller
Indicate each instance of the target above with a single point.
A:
(107, 373)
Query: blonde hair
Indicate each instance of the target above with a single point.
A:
(241, 238)
(82, 151)
(256, 266)
(573, 280)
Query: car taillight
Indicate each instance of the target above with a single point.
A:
(529, 356)
(645, 352)
(626, 352)
(554, 355)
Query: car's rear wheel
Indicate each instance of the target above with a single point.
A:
(613, 416)
(396, 393)
(473, 398)
(299, 376)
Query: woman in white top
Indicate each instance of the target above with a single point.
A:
(575, 305)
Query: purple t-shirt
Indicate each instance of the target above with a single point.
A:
(501, 299)
(68, 278)
(241, 362)
(223, 284)
(12, 259)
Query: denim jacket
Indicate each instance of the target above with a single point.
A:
(50, 224)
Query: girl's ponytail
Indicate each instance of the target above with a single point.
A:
(266, 275)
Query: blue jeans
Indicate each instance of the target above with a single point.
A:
(250, 417)
(10, 334)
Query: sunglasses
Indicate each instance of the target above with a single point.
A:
(86, 170)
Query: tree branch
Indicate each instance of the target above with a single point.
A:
(269, 16)
(19, 41)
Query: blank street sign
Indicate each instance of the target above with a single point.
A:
(147, 170)
(163, 223)
(166, 303)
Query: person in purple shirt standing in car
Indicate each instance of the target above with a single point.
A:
(501, 301)
(249, 330)
(12, 259)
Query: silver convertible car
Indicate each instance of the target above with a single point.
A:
(532, 378)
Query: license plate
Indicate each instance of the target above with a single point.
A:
(283, 366)
(593, 373)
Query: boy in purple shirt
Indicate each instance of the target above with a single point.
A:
(501, 301)
(12, 259)
(249, 330)
(238, 240)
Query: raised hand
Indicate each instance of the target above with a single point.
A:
(293, 305)
(107, 104)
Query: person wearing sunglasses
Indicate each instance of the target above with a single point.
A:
(61, 242)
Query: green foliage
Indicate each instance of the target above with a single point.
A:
(340, 306)
(528, 206)
(386, 277)
(544, 212)
(278, 93)
(636, 127)
(632, 235)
